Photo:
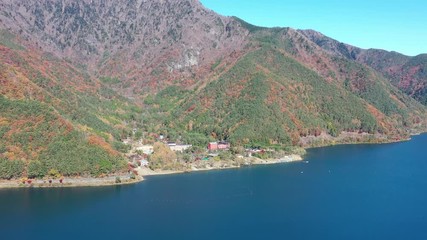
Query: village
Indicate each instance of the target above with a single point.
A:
(165, 156)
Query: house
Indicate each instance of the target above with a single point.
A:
(251, 151)
(179, 147)
(135, 158)
(213, 146)
(223, 145)
(146, 149)
(144, 163)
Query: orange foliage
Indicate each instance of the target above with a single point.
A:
(98, 141)
(401, 104)
(68, 126)
(381, 118)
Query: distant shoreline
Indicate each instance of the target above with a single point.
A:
(385, 141)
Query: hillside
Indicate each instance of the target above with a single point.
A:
(284, 89)
(78, 76)
(406, 73)
(57, 116)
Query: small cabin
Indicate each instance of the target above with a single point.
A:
(144, 163)
(213, 146)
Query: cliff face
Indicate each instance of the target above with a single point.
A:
(139, 42)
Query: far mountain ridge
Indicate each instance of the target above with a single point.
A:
(104, 35)
(405, 72)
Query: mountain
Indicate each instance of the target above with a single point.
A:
(80, 75)
(286, 88)
(139, 42)
(407, 73)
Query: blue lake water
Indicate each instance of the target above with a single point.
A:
(344, 192)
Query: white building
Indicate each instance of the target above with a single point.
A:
(146, 149)
(179, 148)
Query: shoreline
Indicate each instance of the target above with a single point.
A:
(70, 182)
(288, 159)
(145, 172)
(362, 141)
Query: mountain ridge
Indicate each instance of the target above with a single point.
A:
(405, 72)
(139, 30)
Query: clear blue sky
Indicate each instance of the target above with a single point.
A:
(398, 25)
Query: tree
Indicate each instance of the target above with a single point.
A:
(36, 170)
(118, 180)
(238, 150)
(53, 173)
(162, 157)
(138, 134)
(226, 156)
(11, 169)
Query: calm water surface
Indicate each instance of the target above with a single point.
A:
(344, 192)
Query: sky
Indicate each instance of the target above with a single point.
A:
(393, 25)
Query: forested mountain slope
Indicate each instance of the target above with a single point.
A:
(77, 76)
(285, 87)
(407, 73)
(57, 116)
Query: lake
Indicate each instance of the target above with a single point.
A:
(343, 192)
